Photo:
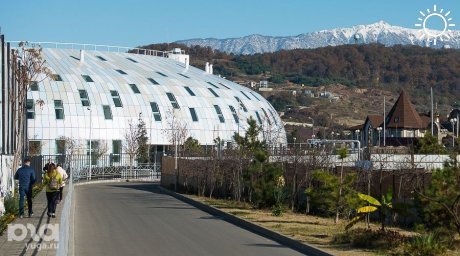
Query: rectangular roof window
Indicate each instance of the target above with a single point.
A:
(121, 71)
(189, 91)
(258, 117)
(56, 77)
(134, 88)
(158, 72)
(152, 81)
(224, 86)
(30, 107)
(241, 104)
(219, 114)
(273, 116)
(215, 86)
(155, 111)
(87, 78)
(254, 96)
(173, 100)
(193, 114)
(116, 99)
(101, 58)
(266, 116)
(245, 95)
(84, 98)
(183, 75)
(213, 92)
(34, 86)
(132, 60)
(107, 112)
(234, 114)
(58, 109)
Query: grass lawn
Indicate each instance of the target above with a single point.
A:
(313, 230)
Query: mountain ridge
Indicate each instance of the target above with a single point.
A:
(379, 32)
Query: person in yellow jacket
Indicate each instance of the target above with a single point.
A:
(52, 181)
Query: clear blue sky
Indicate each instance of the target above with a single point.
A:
(137, 22)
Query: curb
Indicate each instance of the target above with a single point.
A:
(77, 184)
(251, 227)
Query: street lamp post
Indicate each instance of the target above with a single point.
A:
(357, 134)
(90, 142)
(453, 121)
(379, 129)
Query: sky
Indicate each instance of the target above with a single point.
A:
(140, 22)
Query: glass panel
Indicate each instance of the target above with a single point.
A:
(34, 86)
(107, 112)
(235, 115)
(266, 116)
(189, 91)
(116, 99)
(101, 58)
(153, 81)
(121, 71)
(193, 114)
(183, 75)
(258, 117)
(35, 148)
(219, 114)
(132, 60)
(162, 74)
(84, 98)
(155, 111)
(60, 147)
(213, 92)
(215, 86)
(58, 109)
(173, 100)
(134, 88)
(30, 106)
(245, 95)
(87, 78)
(253, 95)
(224, 86)
(241, 104)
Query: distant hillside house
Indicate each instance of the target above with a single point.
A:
(403, 124)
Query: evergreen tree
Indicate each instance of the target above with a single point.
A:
(142, 155)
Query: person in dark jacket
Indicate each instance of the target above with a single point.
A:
(26, 177)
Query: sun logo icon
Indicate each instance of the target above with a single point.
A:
(431, 33)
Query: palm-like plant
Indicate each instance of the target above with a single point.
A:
(382, 206)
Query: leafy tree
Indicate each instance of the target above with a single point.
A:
(429, 145)
(142, 154)
(192, 147)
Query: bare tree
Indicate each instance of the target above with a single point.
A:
(177, 131)
(131, 145)
(100, 149)
(28, 66)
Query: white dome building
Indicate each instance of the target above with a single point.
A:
(95, 94)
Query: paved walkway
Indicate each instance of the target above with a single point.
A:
(137, 218)
(28, 246)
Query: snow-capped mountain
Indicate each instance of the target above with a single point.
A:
(380, 32)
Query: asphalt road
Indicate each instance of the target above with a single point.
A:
(137, 219)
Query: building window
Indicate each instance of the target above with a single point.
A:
(219, 114)
(34, 86)
(155, 111)
(173, 100)
(116, 99)
(273, 116)
(153, 81)
(94, 148)
(245, 95)
(215, 86)
(183, 75)
(234, 114)
(116, 149)
(60, 147)
(253, 95)
(132, 60)
(224, 86)
(189, 91)
(193, 114)
(213, 92)
(56, 77)
(59, 109)
(107, 112)
(101, 58)
(35, 148)
(258, 118)
(84, 98)
(87, 78)
(241, 104)
(121, 71)
(30, 107)
(158, 72)
(134, 88)
(266, 116)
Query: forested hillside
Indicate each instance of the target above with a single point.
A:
(413, 68)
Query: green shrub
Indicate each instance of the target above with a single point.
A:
(368, 238)
(425, 245)
(277, 210)
(11, 205)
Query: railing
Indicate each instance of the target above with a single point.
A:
(96, 47)
(140, 172)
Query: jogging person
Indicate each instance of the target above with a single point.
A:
(26, 177)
